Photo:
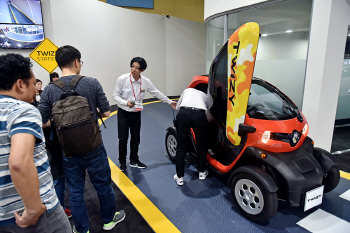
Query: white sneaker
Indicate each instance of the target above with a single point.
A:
(203, 175)
(179, 180)
(210, 152)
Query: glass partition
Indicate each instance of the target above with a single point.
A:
(283, 44)
(343, 110)
(215, 38)
(341, 134)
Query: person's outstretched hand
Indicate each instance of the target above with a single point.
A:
(173, 104)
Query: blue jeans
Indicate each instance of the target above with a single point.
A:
(60, 188)
(97, 166)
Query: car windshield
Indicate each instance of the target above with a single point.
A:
(268, 103)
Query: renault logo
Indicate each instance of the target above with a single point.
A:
(295, 137)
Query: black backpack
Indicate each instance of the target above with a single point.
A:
(77, 131)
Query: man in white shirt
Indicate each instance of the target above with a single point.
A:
(129, 93)
(192, 107)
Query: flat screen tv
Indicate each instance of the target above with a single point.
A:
(21, 24)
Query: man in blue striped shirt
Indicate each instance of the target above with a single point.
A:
(28, 202)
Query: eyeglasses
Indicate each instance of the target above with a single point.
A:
(81, 62)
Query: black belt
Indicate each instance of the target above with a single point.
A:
(192, 108)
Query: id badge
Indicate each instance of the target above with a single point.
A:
(138, 106)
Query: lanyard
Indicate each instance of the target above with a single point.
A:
(133, 87)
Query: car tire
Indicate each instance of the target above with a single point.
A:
(170, 144)
(331, 180)
(252, 199)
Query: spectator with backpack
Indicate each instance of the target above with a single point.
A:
(72, 101)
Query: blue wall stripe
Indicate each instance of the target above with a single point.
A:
(132, 3)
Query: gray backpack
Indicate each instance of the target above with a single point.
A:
(77, 131)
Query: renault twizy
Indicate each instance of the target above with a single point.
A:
(258, 136)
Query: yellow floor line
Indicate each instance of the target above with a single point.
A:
(152, 215)
(345, 175)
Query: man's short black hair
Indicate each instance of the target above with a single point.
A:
(38, 81)
(141, 61)
(14, 67)
(66, 55)
(53, 75)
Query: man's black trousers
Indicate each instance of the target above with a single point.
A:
(129, 120)
(185, 120)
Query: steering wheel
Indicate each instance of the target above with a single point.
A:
(255, 106)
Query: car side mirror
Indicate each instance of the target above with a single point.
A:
(243, 129)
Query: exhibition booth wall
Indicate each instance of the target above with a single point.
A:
(109, 37)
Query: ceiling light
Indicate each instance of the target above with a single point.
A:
(263, 34)
(289, 31)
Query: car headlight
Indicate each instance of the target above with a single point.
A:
(305, 129)
(266, 136)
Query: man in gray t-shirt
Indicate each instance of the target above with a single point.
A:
(94, 162)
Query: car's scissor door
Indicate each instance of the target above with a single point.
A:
(241, 55)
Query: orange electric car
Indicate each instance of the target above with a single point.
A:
(275, 158)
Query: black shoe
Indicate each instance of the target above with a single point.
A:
(123, 167)
(138, 164)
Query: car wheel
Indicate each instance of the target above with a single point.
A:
(253, 200)
(331, 180)
(170, 144)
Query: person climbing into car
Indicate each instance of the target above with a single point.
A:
(192, 106)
